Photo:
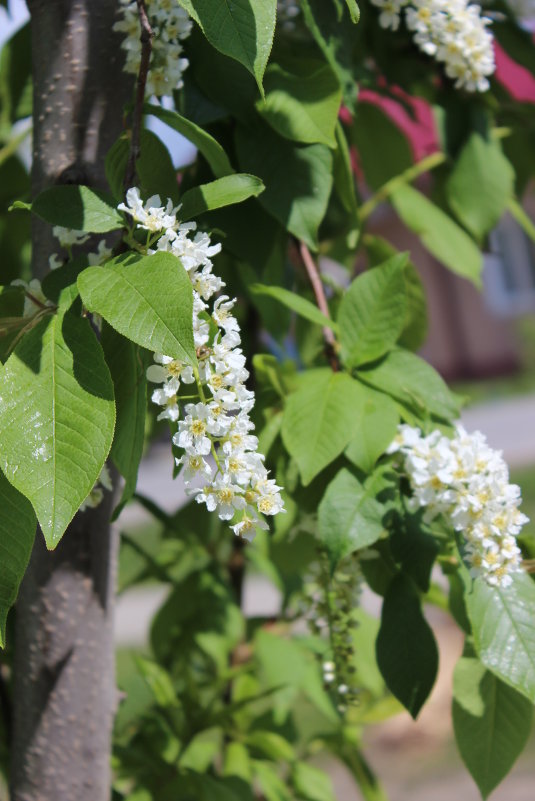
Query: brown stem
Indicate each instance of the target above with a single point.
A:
(321, 300)
(146, 50)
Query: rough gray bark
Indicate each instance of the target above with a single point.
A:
(64, 689)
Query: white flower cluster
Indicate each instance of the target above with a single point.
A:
(468, 482)
(452, 31)
(171, 25)
(236, 485)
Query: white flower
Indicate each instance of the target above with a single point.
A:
(194, 467)
(150, 216)
(248, 525)
(223, 497)
(192, 431)
(454, 33)
(468, 482)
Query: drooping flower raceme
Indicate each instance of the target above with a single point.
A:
(452, 31)
(219, 457)
(171, 25)
(467, 482)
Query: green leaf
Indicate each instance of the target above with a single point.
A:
(383, 148)
(159, 681)
(78, 207)
(354, 10)
(307, 169)
(335, 39)
(203, 141)
(17, 533)
(237, 761)
(480, 185)
(272, 745)
(344, 179)
(491, 721)
(349, 518)
(503, 626)
(320, 418)
(57, 417)
(414, 331)
(378, 427)
(412, 381)
(16, 78)
(239, 29)
(372, 312)
(311, 783)
(406, 650)
(441, 236)
(149, 301)
(128, 375)
(221, 192)
(60, 285)
(296, 303)
(273, 787)
(302, 105)
(154, 168)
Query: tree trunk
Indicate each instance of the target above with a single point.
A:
(64, 688)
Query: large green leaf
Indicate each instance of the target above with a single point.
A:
(17, 533)
(203, 141)
(378, 426)
(240, 29)
(373, 312)
(128, 375)
(149, 301)
(320, 418)
(349, 517)
(296, 303)
(503, 624)
(414, 331)
(154, 168)
(222, 192)
(491, 721)
(407, 653)
(413, 382)
(78, 207)
(439, 233)
(480, 185)
(57, 418)
(307, 169)
(302, 105)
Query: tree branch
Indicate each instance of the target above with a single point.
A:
(146, 50)
(331, 349)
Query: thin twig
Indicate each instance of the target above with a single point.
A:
(321, 300)
(146, 50)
